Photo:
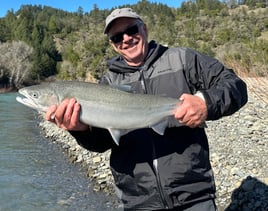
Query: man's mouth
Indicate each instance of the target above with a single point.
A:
(130, 46)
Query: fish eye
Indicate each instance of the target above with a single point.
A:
(35, 94)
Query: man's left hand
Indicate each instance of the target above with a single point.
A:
(192, 111)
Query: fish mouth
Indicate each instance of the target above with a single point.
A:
(26, 100)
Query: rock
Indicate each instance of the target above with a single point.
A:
(96, 159)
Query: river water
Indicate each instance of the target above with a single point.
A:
(35, 174)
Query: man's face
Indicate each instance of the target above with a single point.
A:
(132, 46)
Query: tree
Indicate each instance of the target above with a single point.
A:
(15, 62)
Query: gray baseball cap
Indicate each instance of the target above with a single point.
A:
(119, 13)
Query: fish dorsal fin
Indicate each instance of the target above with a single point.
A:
(160, 127)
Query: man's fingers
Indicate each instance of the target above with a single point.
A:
(69, 111)
(60, 112)
(75, 118)
(50, 114)
(192, 112)
(66, 115)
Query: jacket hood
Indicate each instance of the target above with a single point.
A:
(118, 64)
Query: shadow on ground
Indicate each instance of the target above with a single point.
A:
(251, 195)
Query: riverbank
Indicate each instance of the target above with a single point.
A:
(7, 90)
(239, 148)
(95, 164)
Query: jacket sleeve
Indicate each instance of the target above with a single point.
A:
(224, 91)
(94, 139)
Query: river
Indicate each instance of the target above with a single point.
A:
(35, 174)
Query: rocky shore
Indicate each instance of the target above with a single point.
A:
(238, 150)
(239, 153)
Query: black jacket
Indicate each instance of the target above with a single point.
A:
(157, 172)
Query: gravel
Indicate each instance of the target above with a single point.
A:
(238, 151)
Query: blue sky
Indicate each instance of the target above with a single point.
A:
(72, 5)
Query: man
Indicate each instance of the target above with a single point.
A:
(154, 172)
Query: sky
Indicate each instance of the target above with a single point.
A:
(72, 5)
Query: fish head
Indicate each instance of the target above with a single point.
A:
(38, 97)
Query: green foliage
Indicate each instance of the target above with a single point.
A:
(73, 46)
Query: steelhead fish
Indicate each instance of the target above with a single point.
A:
(104, 106)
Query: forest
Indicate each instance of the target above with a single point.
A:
(41, 43)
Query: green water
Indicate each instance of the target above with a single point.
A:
(34, 173)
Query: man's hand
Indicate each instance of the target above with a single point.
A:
(192, 111)
(66, 115)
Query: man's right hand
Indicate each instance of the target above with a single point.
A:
(66, 115)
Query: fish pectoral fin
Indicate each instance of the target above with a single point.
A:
(160, 127)
(116, 135)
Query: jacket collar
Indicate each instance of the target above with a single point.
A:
(118, 64)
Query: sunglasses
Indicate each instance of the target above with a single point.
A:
(132, 30)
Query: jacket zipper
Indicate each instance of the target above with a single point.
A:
(162, 195)
(142, 78)
(159, 185)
